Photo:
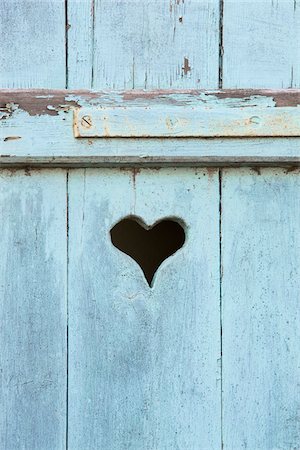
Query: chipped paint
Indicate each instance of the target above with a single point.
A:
(34, 103)
(186, 66)
(47, 139)
(11, 138)
(45, 102)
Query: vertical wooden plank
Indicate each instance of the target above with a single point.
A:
(80, 43)
(145, 44)
(261, 314)
(261, 44)
(143, 362)
(33, 310)
(32, 44)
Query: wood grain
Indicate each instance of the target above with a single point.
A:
(261, 316)
(33, 310)
(80, 43)
(51, 101)
(32, 44)
(167, 122)
(148, 44)
(36, 128)
(261, 43)
(143, 362)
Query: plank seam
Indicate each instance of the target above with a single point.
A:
(221, 42)
(67, 330)
(66, 44)
(93, 43)
(220, 299)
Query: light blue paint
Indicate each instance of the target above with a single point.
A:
(143, 44)
(32, 44)
(261, 42)
(33, 313)
(144, 363)
(145, 370)
(261, 314)
(26, 135)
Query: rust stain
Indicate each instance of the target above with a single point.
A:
(12, 171)
(211, 171)
(106, 128)
(186, 66)
(135, 172)
(292, 169)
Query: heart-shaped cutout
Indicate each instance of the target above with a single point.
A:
(149, 246)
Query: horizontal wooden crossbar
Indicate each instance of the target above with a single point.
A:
(144, 128)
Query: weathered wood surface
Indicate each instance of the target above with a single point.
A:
(144, 363)
(33, 310)
(260, 313)
(37, 128)
(261, 44)
(143, 44)
(32, 44)
(186, 121)
(80, 43)
(150, 44)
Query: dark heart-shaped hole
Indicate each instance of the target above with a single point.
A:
(149, 246)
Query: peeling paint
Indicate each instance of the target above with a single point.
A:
(186, 67)
(44, 102)
(47, 139)
(34, 104)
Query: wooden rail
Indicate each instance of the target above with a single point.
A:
(149, 128)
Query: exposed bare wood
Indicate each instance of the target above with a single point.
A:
(48, 101)
(36, 128)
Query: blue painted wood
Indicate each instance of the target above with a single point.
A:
(32, 44)
(261, 44)
(144, 363)
(33, 310)
(80, 43)
(129, 342)
(261, 314)
(38, 128)
(173, 121)
(143, 44)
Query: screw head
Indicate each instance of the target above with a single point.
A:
(86, 121)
